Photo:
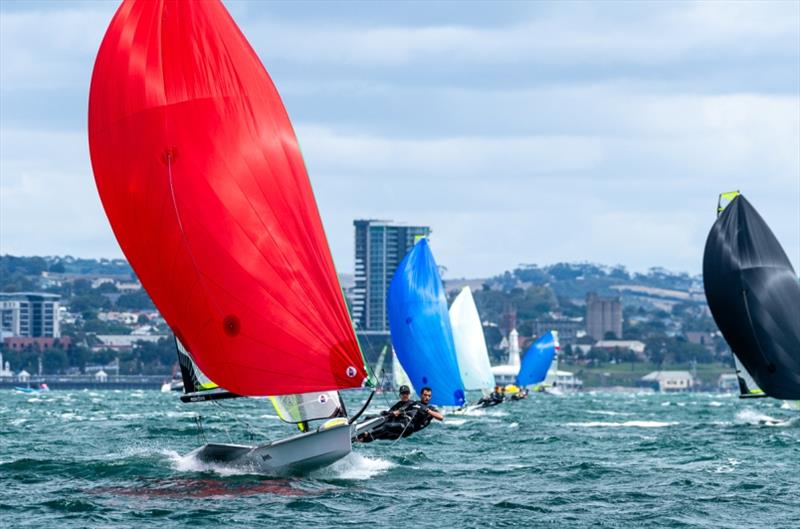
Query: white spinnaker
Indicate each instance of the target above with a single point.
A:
(473, 358)
(399, 375)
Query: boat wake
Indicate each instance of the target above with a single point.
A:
(190, 463)
(354, 467)
(756, 418)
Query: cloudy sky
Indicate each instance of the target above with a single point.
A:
(520, 132)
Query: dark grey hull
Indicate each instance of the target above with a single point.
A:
(368, 425)
(295, 455)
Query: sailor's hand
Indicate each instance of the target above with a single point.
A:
(396, 413)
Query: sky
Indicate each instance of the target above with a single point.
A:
(520, 132)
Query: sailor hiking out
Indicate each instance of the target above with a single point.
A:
(403, 418)
(496, 397)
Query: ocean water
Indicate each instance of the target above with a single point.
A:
(114, 459)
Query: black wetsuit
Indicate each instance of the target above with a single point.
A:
(413, 417)
(394, 426)
(400, 405)
(493, 399)
(420, 418)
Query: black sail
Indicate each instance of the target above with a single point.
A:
(754, 296)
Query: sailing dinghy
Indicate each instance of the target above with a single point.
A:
(201, 177)
(420, 327)
(539, 362)
(421, 333)
(748, 389)
(754, 296)
(470, 344)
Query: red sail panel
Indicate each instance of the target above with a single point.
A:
(202, 179)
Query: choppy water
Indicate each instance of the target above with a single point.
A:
(112, 459)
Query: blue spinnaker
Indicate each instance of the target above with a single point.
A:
(420, 326)
(537, 360)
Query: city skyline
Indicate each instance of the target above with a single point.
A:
(528, 133)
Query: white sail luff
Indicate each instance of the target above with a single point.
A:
(471, 352)
(399, 375)
(747, 386)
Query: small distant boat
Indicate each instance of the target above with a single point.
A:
(29, 390)
(175, 383)
(540, 362)
(748, 389)
(470, 343)
(754, 297)
(538, 368)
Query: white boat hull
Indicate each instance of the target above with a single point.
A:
(295, 455)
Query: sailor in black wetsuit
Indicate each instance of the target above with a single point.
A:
(496, 397)
(422, 412)
(397, 422)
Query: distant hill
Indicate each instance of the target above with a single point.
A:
(34, 266)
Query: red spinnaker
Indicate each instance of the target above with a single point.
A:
(201, 176)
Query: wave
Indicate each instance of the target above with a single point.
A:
(626, 424)
(190, 463)
(608, 412)
(756, 418)
(354, 467)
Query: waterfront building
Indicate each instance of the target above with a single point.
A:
(668, 381)
(569, 329)
(635, 346)
(380, 245)
(40, 343)
(603, 315)
(30, 314)
(124, 342)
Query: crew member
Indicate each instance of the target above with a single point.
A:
(405, 401)
(521, 394)
(496, 397)
(397, 422)
(422, 412)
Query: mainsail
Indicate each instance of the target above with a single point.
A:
(399, 375)
(747, 386)
(754, 296)
(420, 327)
(470, 344)
(202, 179)
(537, 360)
